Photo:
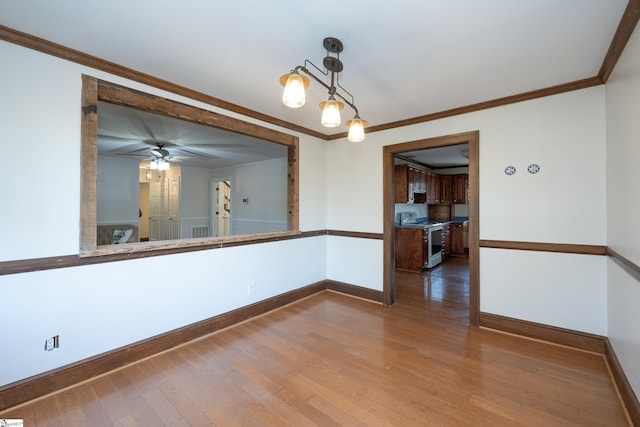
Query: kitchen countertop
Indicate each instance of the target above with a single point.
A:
(457, 220)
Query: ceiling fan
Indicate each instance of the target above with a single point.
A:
(159, 148)
(161, 158)
(160, 152)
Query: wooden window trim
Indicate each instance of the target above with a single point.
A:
(94, 90)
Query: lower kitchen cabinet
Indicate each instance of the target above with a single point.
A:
(410, 251)
(446, 241)
(457, 238)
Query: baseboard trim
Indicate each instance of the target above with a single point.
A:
(356, 291)
(629, 398)
(570, 338)
(57, 379)
(580, 340)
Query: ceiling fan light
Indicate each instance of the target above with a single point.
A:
(163, 166)
(153, 165)
(159, 152)
(294, 86)
(331, 113)
(356, 129)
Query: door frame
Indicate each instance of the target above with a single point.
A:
(473, 139)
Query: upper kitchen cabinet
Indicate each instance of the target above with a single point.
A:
(410, 184)
(445, 189)
(433, 188)
(460, 189)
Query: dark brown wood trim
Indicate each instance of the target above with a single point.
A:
(621, 37)
(567, 337)
(544, 247)
(629, 398)
(474, 228)
(388, 213)
(95, 90)
(89, 162)
(388, 151)
(526, 96)
(632, 269)
(356, 291)
(122, 95)
(65, 261)
(60, 51)
(356, 234)
(51, 381)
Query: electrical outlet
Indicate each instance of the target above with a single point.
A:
(252, 288)
(51, 343)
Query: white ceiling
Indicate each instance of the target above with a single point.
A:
(402, 59)
(129, 133)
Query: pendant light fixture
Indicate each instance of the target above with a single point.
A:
(295, 84)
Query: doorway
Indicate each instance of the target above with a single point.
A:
(222, 208)
(389, 152)
(144, 212)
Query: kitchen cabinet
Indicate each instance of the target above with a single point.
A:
(433, 187)
(410, 250)
(409, 180)
(401, 178)
(417, 181)
(460, 189)
(446, 183)
(457, 239)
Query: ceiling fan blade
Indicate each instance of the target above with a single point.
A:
(149, 131)
(202, 155)
(144, 156)
(119, 138)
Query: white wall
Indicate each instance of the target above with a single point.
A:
(100, 307)
(104, 306)
(355, 261)
(564, 203)
(118, 191)
(623, 187)
(340, 188)
(544, 287)
(195, 192)
(40, 216)
(263, 185)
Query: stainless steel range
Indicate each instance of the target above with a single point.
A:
(432, 236)
(432, 244)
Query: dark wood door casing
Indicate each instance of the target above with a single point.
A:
(473, 139)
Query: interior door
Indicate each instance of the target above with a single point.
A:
(157, 208)
(174, 208)
(223, 208)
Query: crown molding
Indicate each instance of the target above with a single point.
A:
(625, 28)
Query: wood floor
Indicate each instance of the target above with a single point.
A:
(334, 360)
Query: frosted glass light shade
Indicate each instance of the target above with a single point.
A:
(294, 86)
(356, 129)
(163, 166)
(331, 113)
